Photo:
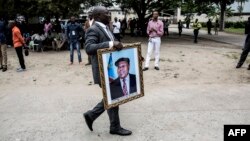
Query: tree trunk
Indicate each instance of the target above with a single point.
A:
(222, 15)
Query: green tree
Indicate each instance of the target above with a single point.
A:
(240, 5)
(144, 8)
(223, 5)
(190, 6)
(48, 8)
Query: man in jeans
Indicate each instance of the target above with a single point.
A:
(3, 46)
(73, 31)
(18, 42)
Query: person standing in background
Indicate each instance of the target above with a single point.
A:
(123, 27)
(187, 21)
(196, 27)
(116, 29)
(47, 27)
(155, 31)
(209, 26)
(166, 25)
(216, 26)
(180, 25)
(3, 46)
(19, 43)
(73, 31)
(132, 25)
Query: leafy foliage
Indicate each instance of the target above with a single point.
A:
(47, 8)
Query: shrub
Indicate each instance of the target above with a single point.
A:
(235, 24)
(239, 25)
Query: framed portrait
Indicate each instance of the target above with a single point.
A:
(121, 74)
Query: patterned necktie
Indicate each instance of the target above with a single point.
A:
(124, 88)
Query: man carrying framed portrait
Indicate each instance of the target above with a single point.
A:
(99, 36)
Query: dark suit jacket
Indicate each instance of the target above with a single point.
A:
(116, 87)
(96, 38)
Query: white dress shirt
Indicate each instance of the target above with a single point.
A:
(127, 83)
(91, 22)
(117, 27)
(38, 37)
(108, 32)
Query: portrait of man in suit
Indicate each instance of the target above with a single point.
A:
(125, 83)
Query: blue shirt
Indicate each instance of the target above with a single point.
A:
(2, 32)
(73, 31)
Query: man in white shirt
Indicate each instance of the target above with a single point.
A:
(116, 30)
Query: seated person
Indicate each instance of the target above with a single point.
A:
(38, 38)
(59, 40)
(50, 39)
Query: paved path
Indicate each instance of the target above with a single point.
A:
(234, 39)
(165, 114)
(189, 99)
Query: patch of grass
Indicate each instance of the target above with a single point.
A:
(248, 61)
(47, 65)
(235, 30)
(232, 56)
(235, 56)
(232, 52)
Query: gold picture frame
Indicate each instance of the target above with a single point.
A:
(132, 54)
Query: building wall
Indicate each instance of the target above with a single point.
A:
(237, 18)
(204, 18)
(121, 15)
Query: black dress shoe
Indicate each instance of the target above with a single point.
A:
(121, 132)
(87, 64)
(238, 66)
(248, 68)
(157, 68)
(88, 120)
(4, 69)
(1, 68)
(145, 69)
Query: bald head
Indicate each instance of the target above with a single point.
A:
(98, 10)
(11, 24)
(101, 14)
(72, 18)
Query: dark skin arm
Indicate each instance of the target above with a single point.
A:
(118, 45)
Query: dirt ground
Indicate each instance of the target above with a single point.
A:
(195, 93)
(181, 62)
